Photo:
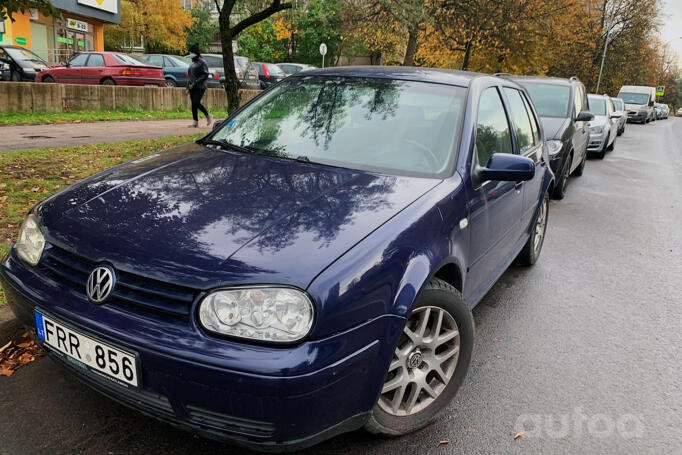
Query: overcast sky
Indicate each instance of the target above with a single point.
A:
(671, 16)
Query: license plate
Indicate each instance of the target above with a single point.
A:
(87, 352)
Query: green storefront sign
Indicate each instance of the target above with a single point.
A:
(20, 40)
(61, 39)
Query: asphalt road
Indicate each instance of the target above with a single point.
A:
(583, 351)
(56, 135)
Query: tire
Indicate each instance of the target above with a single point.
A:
(560, 189)
(48, 80)
(581, 167)
(108, 82)
(437, 301)
(15, 77)
(531, 252)
(171, 83)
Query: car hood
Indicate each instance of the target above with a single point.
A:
(599, 120)
(553, 127)
(635, 107)
(203, 217)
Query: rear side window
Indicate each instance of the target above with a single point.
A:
(78, 60)
(96, 60)
(155, 60)
(519, 115)
(492, 129)
(214, 62)
(533, 120)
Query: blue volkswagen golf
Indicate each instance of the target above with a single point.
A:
(306, 269)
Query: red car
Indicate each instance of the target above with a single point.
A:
(104, 68)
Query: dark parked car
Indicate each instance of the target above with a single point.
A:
(268, 74)
(175, 70)
(104, 68)
(20, 64)
(248, 79)
(306, 269)
(293, 68)
(563, 108)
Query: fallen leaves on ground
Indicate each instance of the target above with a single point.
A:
(13, 356)
(442, 443)
(519, 434)
(496, 340)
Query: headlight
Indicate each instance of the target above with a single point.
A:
(596, 129)
(272, 314)
(31, 241)
(554, 147)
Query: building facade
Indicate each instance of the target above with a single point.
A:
(81, 28)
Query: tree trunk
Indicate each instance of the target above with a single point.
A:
(467, 53)
(411, 51)
(231, 81)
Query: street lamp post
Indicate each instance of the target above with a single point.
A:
(606, 43)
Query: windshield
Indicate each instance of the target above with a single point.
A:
(129, 60)
(180, 61)
(23, 55)
(383, 125)
(634, 98)
(550, 100)
(597, 105)
(618, 103)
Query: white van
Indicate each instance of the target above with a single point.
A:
(639, 102)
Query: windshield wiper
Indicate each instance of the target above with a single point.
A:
(227, 144)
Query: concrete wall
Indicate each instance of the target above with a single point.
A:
(39, 97)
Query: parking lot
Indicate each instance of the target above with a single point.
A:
(581, 352)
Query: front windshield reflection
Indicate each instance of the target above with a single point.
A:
(393, 126)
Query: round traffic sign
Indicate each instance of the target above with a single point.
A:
(323, 49)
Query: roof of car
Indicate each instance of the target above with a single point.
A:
(544, 79)
(438, 75)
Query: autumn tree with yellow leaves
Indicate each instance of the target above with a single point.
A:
(160, 24)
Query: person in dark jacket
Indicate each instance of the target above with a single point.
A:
(198, 74)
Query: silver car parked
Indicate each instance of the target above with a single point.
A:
(604, 126)
(619, 105)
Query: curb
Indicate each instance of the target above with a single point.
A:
(10, 327)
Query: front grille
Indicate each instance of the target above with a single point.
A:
(224, 422)
(130, 290)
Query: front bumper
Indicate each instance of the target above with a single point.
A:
(596, 142)
(332, 390)
(637, 117)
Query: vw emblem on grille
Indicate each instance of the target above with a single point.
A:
(100, 283)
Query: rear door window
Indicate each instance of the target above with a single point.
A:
(214, 62)
(96, 60)
(521, 119)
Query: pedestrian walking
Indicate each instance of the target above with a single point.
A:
(198, 74)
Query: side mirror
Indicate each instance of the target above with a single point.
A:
(217, 124)
(63, 63)
(584, 116)
(507, 167)
(651, 103)
(4, 66)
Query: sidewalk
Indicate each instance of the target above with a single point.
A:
(57, 135)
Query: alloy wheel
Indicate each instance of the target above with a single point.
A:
(423, 362)
(540, 228)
